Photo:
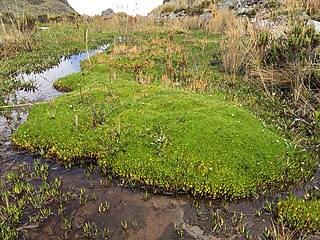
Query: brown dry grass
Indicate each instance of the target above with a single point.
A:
(165, 8)
(310, 6)
(12, 40)
(241, 55)
(198, 3)
(125, 24)
(221, 21)
(183, 24)
(124, 49)
(170, 7)
(237, 44)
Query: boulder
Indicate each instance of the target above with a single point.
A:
(172, 16)
(247, 7)
(314, 23)
(242, 11)
(108, 13)
(181, 14)
(228, 4)
(205, 17)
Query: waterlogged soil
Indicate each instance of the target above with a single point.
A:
(140, 214)
(134, 213)
(137, 213)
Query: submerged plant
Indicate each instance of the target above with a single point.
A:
(104, 207)
(26, 195)
(90, 230)
(179, 228)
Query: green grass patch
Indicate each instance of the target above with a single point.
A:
(300, 213)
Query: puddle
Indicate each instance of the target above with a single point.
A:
(44, 81)
(132, 214)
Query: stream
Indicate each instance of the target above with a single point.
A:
(134, 214)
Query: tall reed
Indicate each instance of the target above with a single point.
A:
(236, 45)
(310, 6)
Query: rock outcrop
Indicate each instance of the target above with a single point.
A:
(248, 7)
(258, 12)
(36, 7)
(172, 9)
(108, 13)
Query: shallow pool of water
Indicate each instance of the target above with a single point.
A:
(44, 80)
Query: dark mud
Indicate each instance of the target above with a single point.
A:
(137, 214)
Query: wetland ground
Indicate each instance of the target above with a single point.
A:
(157, 95)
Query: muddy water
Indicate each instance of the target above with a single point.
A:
(133, 214)
(147, 216)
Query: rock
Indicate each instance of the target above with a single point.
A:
(247, 7)
(304, 16)
(264, 24)
(206, 16)
(228, 4)
(172, 16)
(277, 27)
(181, 14)
(108, 13)
(314, 23)
(242, 11)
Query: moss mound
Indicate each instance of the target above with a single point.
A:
(170, 139)
(137, 113)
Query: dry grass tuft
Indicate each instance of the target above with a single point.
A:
(166, 8)
(123, 49)
(186, 24)
(221, 21)
(12, 40)
(237, 43)
(310, 6)
(242, 54)
(124, 24)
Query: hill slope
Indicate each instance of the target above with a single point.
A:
(36, 7)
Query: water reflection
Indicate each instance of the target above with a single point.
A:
(44, 81)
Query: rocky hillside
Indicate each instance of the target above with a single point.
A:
(36, 7)
(266, 13)
(249, 8)
(188, 7)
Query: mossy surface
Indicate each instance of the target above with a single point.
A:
(300, 213)
(169, 138)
